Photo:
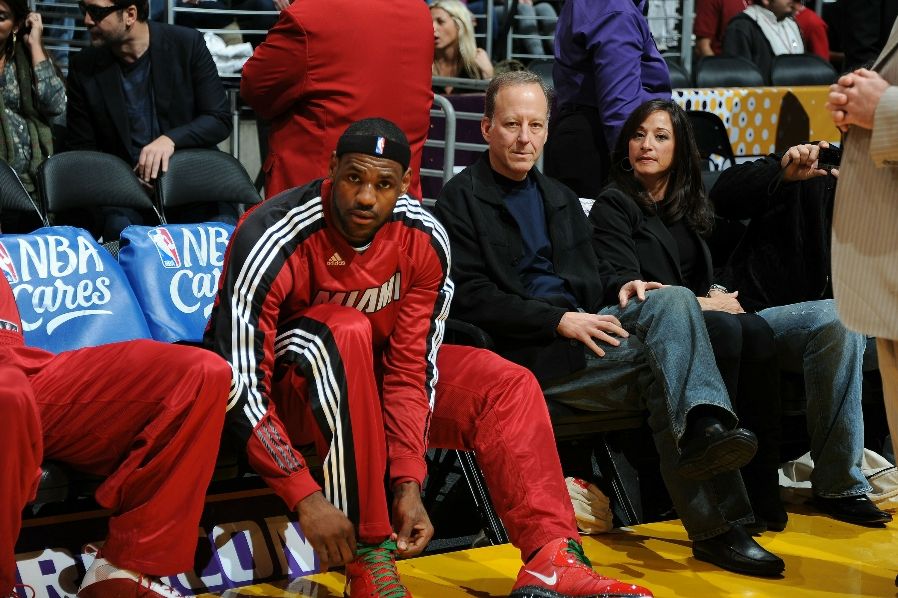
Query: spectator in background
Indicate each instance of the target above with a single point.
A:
(262, 22)
(315, 74)
(530, 18)
(143, 90)
(31, 94)
(763, 30)
(455, 52)
(861, 28)
(782, 267)
(813, 30)
(606, 64)
(649, 224)
(711, 20)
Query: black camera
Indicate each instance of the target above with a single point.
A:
(829, 157)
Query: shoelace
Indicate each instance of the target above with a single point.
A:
(574, 548)
(379, 561)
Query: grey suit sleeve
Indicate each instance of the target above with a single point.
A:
(884, 140)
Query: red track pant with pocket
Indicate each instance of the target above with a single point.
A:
(494, 407)
(148, 415)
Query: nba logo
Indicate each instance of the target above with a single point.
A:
(379, 150)
(165, 245)
(6, 265)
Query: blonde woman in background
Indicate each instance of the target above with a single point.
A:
(455, 54)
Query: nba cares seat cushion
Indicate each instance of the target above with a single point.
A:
(71, 293)
(174, 271)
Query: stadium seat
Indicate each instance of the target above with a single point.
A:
(203, 176)
(73, 184)
(801, 69)
(727, 71)
(19, 211)
(543, 68)
(711, 137)
(679, 78)
(174, 271)
(71, 293)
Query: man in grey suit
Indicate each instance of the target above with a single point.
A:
(864, 105)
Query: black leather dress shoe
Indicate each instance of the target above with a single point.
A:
(714, 449)
(858, 510)
(737, 551)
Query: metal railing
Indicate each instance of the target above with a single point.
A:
(173, 10)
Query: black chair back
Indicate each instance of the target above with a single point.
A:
(204, 176)
(711, 137)
(82, 180)
(801, 69)
(679, 78)
(543, 68)
(14, 197)
(727, 71)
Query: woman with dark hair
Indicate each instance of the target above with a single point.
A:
(649, 222)
(32, 92)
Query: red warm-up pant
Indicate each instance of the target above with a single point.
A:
(494, 407)
(483, 402)
(148, 415)
(324, 392)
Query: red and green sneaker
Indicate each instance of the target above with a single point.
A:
(561, 570)
(373, 573)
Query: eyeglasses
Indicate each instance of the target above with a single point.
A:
(98, 13)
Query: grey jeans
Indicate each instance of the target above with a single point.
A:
(666, 366)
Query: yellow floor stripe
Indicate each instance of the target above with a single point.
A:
(824, 558)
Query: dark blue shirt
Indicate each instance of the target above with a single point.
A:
(137, 86)
(525, 203)
(605, 57)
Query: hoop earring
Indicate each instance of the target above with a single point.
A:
(624, 163)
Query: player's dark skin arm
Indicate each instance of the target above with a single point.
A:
(410, 520)
(327, 529)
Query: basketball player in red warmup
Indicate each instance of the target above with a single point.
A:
(147, 415)
(331, 311)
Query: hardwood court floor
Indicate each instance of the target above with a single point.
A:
(824, 558)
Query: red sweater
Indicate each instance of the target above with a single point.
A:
(813, 31)
(712, 18)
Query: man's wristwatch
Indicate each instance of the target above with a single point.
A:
(717, 287)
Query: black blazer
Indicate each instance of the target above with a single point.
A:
(190, 100)
(784, 256)
(640, 246)
(486, 246)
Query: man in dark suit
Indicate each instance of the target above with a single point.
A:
(140, 100)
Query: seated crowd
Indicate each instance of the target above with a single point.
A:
(617, 309)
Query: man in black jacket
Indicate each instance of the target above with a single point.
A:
(143, 90)
(525, 271)
(781, 268)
